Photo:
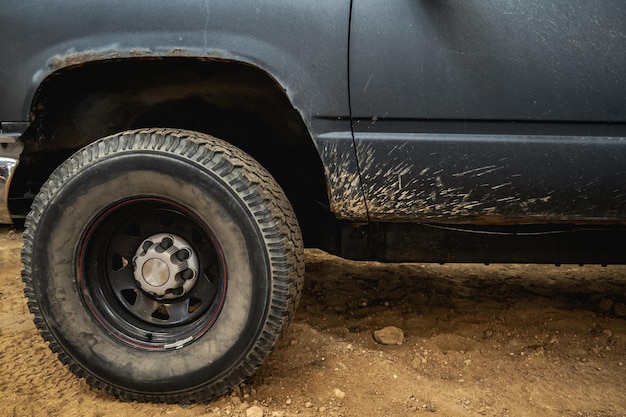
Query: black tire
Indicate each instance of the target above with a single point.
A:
(144, 333)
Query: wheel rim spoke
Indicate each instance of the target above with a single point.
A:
(145, 306)
(124, 244)
(178, 311)
(204, 289)
(121, 280)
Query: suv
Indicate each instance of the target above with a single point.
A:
(168, 158)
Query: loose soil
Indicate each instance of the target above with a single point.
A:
(499, 340)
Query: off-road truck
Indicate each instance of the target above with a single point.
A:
(171, 159)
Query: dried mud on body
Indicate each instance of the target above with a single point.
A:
(500, 340)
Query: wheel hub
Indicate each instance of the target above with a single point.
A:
(165, 266)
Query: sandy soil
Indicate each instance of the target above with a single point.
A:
(500, 340)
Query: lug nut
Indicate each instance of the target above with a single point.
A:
(187, 274)
(146, 245)
(166, 243)
(182, 254)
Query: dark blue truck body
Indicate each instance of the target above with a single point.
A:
(454, 111)
(405, 130)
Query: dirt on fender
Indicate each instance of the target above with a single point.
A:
(465, 340)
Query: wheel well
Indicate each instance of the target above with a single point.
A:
(235, 102)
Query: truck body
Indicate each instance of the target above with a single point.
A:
(439, 131)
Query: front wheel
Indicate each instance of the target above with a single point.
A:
(162, 265)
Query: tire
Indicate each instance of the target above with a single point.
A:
(162, 265)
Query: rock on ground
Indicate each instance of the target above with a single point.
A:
(389, 335)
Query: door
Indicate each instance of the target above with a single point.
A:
(490, 110)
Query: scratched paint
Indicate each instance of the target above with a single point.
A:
(471, 182)
(73, 58)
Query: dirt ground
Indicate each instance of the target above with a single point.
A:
(500, 340)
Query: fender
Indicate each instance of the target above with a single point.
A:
(306, 54)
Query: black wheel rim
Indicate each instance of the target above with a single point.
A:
(115, 297)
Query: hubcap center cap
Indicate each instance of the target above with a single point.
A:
(165, 266)
(155, 272)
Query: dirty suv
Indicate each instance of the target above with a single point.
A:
(170, 160)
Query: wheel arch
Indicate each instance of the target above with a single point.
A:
(235, 101)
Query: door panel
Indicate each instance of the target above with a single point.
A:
(490, 109)
(489, 59)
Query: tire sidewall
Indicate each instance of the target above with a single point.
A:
(61, 227)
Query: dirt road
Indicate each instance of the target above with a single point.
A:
(500, 340)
